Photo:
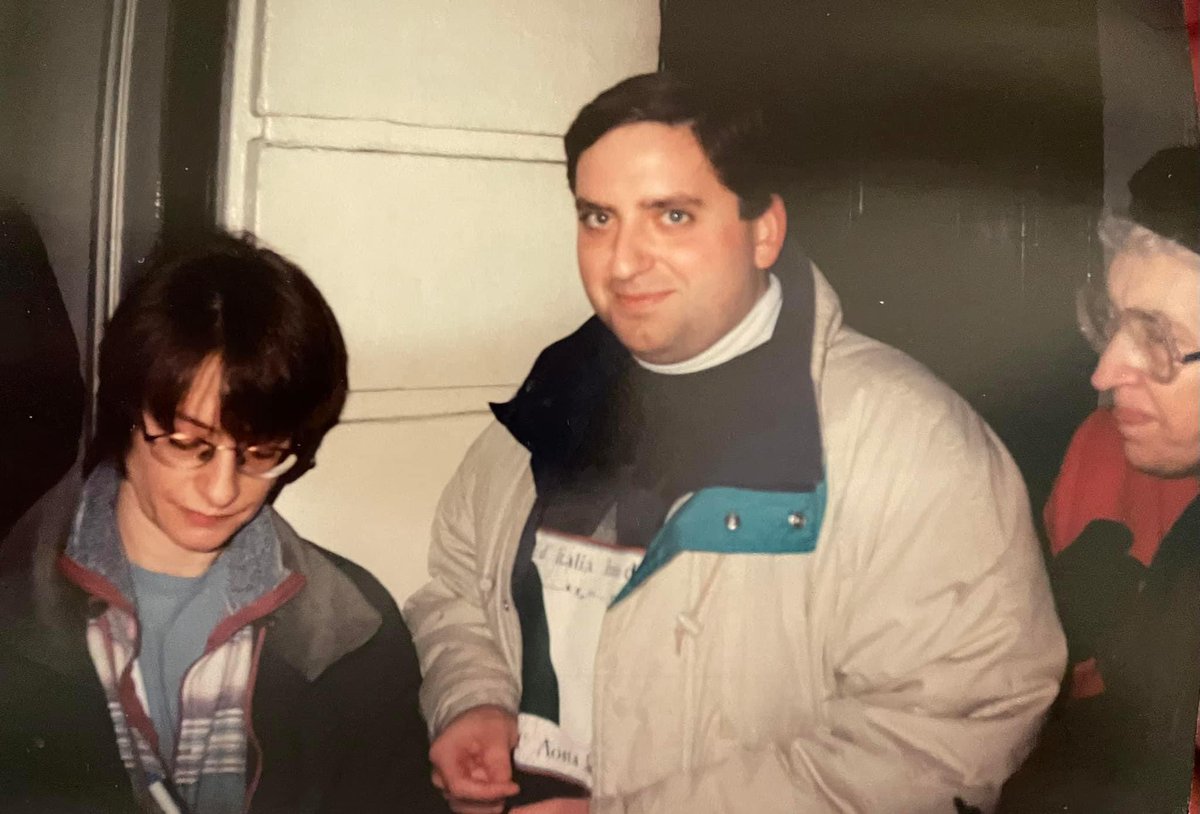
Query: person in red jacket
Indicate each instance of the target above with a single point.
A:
(1123, 523)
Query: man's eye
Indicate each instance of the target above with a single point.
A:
(593, 219)
(676, 216)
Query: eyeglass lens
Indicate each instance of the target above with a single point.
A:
(189, 452)
(1100, 323)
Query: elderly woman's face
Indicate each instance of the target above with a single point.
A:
(1159, 422)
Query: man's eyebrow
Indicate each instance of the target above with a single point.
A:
(673, 202)
(584, 205)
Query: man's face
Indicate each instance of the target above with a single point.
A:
(666, 260)
(176, 520)
(1160, 423)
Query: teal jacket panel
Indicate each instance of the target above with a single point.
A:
(725, 520)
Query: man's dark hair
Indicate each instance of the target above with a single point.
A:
(282, 353)
(730, 132)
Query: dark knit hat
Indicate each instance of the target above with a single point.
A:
(1165, 195)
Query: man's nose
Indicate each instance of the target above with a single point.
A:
(1120, 363)
(218, 479)
(631, 252)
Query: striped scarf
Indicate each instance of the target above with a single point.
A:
(209, 772)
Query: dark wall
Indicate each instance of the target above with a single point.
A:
(1149, 102)
(8, 40)
(51, 53)
(51, 68)
(945, 167)
(56, 159)
(191, 104)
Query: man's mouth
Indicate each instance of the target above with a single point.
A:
(641, 301)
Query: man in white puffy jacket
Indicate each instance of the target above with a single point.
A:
(720, 553)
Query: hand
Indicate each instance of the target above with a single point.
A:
(472, 763)
(559, 805)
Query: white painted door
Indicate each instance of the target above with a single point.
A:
(408, 155)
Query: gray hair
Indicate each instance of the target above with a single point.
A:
(1119, 234)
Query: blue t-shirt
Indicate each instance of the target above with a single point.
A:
(176, 616)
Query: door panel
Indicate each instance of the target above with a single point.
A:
(408, 156)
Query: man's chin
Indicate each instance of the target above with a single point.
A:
(641, 343)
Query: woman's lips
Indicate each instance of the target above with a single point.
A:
(202, 520)
(1128, 417)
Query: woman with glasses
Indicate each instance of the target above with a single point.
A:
(175, 646)
(1123, 523)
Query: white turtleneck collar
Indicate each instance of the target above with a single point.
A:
(756, 328)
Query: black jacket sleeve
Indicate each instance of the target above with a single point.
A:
(353, 739)
(387, 768)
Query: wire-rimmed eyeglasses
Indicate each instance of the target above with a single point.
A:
(182, 450)
(1149, 331)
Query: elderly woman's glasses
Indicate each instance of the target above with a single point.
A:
(183, 451)
(1149, 331)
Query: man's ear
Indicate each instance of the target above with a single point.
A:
(770, 228)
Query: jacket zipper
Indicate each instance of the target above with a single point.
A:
(508, 630)
(252, 741)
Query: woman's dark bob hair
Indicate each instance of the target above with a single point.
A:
(283, 357)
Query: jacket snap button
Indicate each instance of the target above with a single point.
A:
(732, 521)
(797, 520)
